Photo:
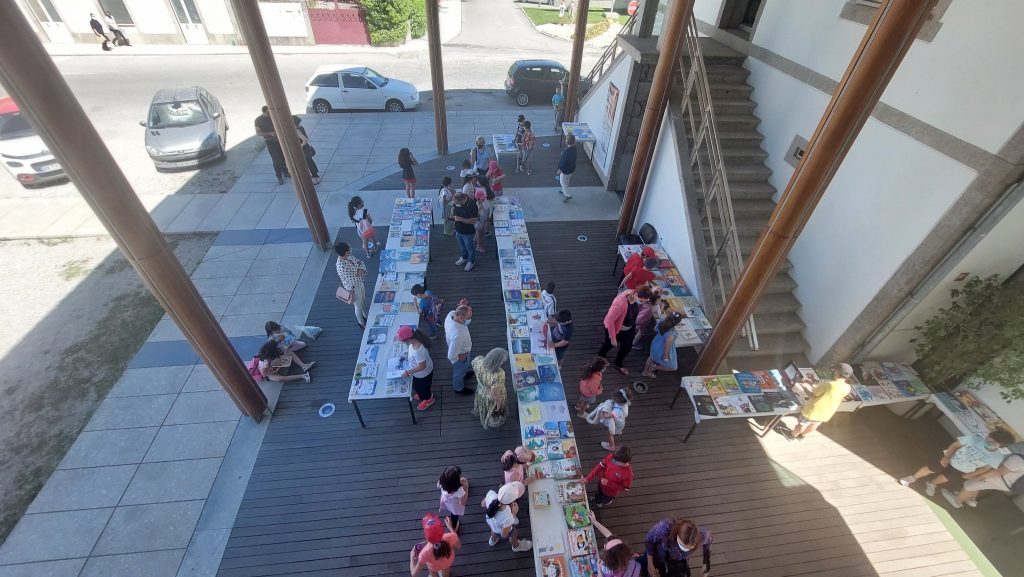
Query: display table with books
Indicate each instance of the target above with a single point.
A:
(968, 413)
(504, 144)
(695, 328)
(564, 541)
(403, 264)
(776, 393)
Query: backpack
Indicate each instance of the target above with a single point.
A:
(254, 369)
(433, 313)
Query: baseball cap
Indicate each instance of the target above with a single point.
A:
(433, 530)
(404, 332)
(648, 252)
(509, 492)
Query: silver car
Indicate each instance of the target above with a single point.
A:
(185, 127)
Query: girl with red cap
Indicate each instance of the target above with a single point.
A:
(421, 367)
(438, 553)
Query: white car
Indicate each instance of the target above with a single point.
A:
(23, 153)
(341, 87)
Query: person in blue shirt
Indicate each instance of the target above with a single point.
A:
(557, 100)
(567, 166)
(560, 333)
(968, 457)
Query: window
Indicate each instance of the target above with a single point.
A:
(534, 73)
(44, 10)
(355, 81)
(863, 11)
(328, 80)
(118, 10)
(186, 11)
(556, 73)
(176, 114)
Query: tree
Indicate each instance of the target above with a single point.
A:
(387, 20)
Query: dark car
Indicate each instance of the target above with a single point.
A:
(534, 80)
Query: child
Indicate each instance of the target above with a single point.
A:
(467, 169)
(616, 558)
(284, 338)
(262, 365)
(501, 510)
(469, 186)
(429, 307)
(437, 553)
(663, 347)
(495, 176)
(614, 475)
(514, 464)
(444, 198)
(358, 214)
(454, 494)
(560, 334)
(406, 161)
(612, 414)
(590, 385)
(547, 298)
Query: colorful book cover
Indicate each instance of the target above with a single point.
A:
(551, 392)
(905, 388)
(863, 392)
(531, 413)
(524, 362)
(583, 566)
(570, 491)
(513, 295)
(542, 499)
(519, 332)
(554, 411)
(384, 297)
(520, 346)
(554, 449)
(760, 404)
(407, 308)
(515, 307)
(418, 258)
(569, 449)
(732, 387)
(533, 304)
(532, 431)
(748, 383)
(528, 394)
(537, 445)
(694, 386)
(714, 388)
(565, 430)
(531, 294)
(548, 374)
(521, 379)
(530, 281)
(576, 514)
(551, 429)
(366, 370)
(890, 389)
(377, 336)
(542, 469)
(733, 405)
(566, 469)
(369, 354)
(506, 253)
(397, 387)
(581, 541)
(364, 387)
(554, 566)
(384, 320)
(766, 381)
(510, 284)
(705, 405)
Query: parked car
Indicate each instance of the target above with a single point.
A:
(23, 152)
(185, 127)
(534, 80)
(341, 87)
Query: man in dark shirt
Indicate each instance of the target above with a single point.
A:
(567, 166)
(265, 129)
(97, 29)
(465, 214)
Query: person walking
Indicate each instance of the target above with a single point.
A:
(445, 195)
(557, 103)
(421, 367)
(520, 132)
(265, 130)
(620, 325)
(437, 554)
(465, 214)
(307, 150)
(1005, 477)
(501, 510)
(406, 161)
(669, 545)
(663, 347)
(460, 343)
(97, 29)
(526, 149)
(360, 216)
(591, 385)
(614, 476)
(968, 457)
(824, 401)
(491, 401)
(567, 166)
(454, 494)
(351, 272)
(119, 38)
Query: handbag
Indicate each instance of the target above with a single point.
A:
(344, 295)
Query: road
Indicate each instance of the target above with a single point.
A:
(115, 90)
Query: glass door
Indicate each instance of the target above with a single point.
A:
(190, 22)
(53, 25)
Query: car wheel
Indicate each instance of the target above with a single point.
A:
(321, 106)
(522, 99)
(394, 106)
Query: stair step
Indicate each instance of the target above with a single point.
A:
(781, 283)
(742, 137)
(746, 189)
(781, 346)
(730, 90)
(719, 73)
(736, 121)
(777, 323)
(756, 362)
(759, 208)
(733, 107)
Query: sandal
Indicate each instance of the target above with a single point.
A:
(622, 370)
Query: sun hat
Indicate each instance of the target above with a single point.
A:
(509, 492)
(404, 332)
(433, 530)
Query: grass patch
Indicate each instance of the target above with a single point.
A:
(74, 269)
(541, 16)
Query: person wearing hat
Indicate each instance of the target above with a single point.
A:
(421, 367)
(501, 517)
(636, 259)
(824, 401)
(438, 553)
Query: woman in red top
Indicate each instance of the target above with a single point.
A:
(614, 474)
(640, 275)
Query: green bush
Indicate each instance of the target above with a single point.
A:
(393, 37)
(387, 20)
(418, 18)
(595, 30)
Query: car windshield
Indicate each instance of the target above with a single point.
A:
(374, 77)
(176, 114)
(14, 126)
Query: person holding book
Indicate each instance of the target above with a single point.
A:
(663, 347)
(824, 401)
(284, 337)
(491, 401)
(437, 554)
(460, 343)
(670, 543)
(421, 367)
(620, 325)
(591, 388)
(268, 365)
(500, 513)
(454, 494)
(612, 415)
(614, 476)
(559, 334)
(615, 558)
(968, 457)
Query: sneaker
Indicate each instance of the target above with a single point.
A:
(607, 447)
(972, 503)
(567, 198)
(316, 180)
(492, 541)
(306, 377)
(906, 481)
(524, 545)
(469, 266)
(424, 405)
(309, 365)
(460, 262)
(929, 488)
(951, 498)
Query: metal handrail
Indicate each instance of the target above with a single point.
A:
(607, 58)
(725, 257)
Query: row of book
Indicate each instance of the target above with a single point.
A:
(564, 543)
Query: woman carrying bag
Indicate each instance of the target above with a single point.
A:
(351, 272)
(491, 402)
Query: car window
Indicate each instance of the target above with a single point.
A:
(176, 114)
(353, 81)
(374, 77)
(207, 103)
(556, 73)
(329, 80)
(534, 74)
(14, 126)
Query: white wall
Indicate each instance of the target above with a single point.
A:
(593, 112)
(665, 208)
(215, 16)
(886, 197)
(153, 17)
(967, 81)
(708, 10)
(76, 14)
(284, 19)
(990, 256)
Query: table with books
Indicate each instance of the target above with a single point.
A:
(564, 541)
(504, 144)
(580, 130)
(968, 413)
(776, 393)
(382, 358)
(695, 328)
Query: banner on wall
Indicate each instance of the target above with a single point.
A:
(607, 122)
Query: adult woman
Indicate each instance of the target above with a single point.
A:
(481, 156)
(351, 272)
(526, 148)
(406, 161)
(421, 367)
(616, 558)
(491, 397)
(669, 545)
(307, 150)
(620, 324)
(501, 510)
(266, 359)
(663, 347)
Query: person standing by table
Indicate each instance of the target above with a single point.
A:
(351, 272)
(465, 215)
(460, 343)
(567, 166)
(481, 156)
(445, 194)
(620, 325)
(824, 401)
(663, 347)
(406, 161)
(559, 334)
(557, 103)
(491, 401)
(518, 139)
(526, 150)
(421, 367)
(501, 510)
(669, 545)
(265, 130)
(640, 275)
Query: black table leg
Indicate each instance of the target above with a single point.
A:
(690, 432)
(679, 390)
(770, 426)
(412, 413)
(358, 414)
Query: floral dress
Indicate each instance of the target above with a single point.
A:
(490, 394)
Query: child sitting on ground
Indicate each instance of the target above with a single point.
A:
(614, 475)
(591, 385)
(612, 414)
(454, 494)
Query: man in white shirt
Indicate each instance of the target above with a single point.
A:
(456, 334)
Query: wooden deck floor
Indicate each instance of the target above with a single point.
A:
(329, 498)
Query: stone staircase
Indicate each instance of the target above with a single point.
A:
(779, 328)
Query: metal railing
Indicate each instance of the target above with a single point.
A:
(607, 58)
(708, 168)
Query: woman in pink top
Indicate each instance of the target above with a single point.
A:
(620, 324)
(591, 385)
(437, 554)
